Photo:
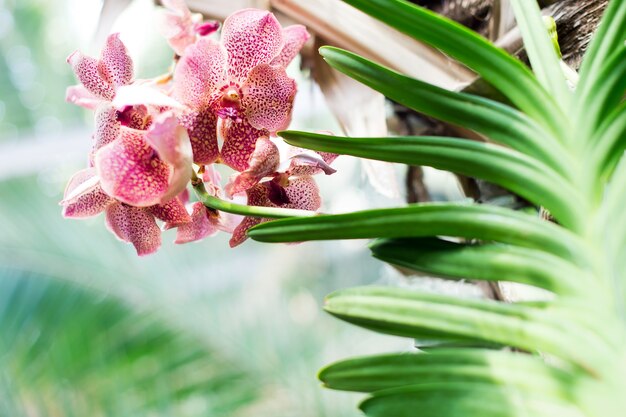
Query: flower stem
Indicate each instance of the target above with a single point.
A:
(253, 211)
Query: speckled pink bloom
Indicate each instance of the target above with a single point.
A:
(292, 188)
(100, 78)
(180, 27)
(238, 89)
(84, 197)
(146, 167)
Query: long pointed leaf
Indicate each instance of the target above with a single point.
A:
(497, 121)
(520, 371)
(541, 52)
(402, 312)
(610, 141)
(603, 97)
(608, 38)
(464, 399)
(508, 168)
(504, 72)
(435, 219)
(490, 262)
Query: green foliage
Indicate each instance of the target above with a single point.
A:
(67, 350)
(558, 148)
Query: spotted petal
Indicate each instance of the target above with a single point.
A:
(251, 37)
(199, 72)
(134, 225)
(268, 95)
(131, 171)
(115, 64)
(305, 162)
(83, 196)
(173, 213)
(203, 224)
(87, 70)
(202, 129)
(239, 141)
(176, 25)
(301, 193)
(264, 162)
(79, 95)
(107, 126)
(171, 142)
(295, 37)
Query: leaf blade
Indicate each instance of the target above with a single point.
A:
(434, 219)
(489, 262)
(499, 122)
(510, 169)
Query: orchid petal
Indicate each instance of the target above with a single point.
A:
(268, 95)
(199, 72)
(88, 73)
(251, 37)
(264, 161)
(202, 129)
(107, 126)
(131, 171)
(295, 37)
(134, 117)
(149, 95)
(303, 194)
(239, 142)
(171, 142)
(176, 25)
(305, 162)
(134, 225)
(115, 64)
(203, 224)
(239, 234)
(173, 213)
(79, 95)
(212, 181)
(83, 196)
(206, 28)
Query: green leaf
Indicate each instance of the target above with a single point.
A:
(497, 121)
(541, 52)
(504, 72)
(608, 38)
(68, 350)
(502, 166)
(519, 371)
(435, 219)
(413, 314)
(610, 142)
(603, 97)
(464, 399)
(490, 262)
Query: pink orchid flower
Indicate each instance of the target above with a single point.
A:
(100, 78)
(84, 197)
(107, 87)
(293, 187)
(146, 167)
(180, 27)
(135, 179)
(238, 89)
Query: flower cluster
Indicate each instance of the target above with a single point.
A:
(152, 136)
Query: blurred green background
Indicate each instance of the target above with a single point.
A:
(89, 329)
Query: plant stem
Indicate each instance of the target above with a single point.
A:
(252, 211)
